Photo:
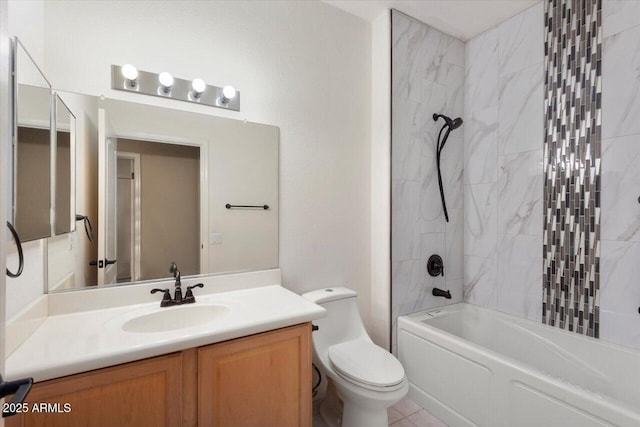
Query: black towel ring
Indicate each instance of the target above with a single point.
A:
(20, 254)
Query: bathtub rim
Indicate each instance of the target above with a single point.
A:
(423, 314)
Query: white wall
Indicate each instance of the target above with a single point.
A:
(302, 66)
(243, 168)
(26, 20)
(24, 290)
(61, 262)
(381, 179)
(503, 166)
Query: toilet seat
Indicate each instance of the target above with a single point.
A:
(366, 364)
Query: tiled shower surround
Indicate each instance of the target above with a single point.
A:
(427, 77)
(503, 166)
(573, 124)
(504, 172)
(620, 229)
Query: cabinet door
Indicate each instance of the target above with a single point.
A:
(258, 381)
(145, 393)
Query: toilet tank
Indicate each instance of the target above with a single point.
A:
(342, 322)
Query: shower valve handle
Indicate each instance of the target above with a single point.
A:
(435, 266)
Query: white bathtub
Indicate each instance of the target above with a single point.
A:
(471, 366)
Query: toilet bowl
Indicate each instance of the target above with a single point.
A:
(367, 378)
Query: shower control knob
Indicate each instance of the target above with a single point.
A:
(435, 266)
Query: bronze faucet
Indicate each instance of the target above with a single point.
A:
(167, 301)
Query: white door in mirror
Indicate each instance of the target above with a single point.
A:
(107, 247)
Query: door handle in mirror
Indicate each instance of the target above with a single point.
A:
(102, 263)
(20, 254)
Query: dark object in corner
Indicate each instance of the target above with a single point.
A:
(16, 238)
(19, 389)
(435, 265)
(440, 293)
(314, 388)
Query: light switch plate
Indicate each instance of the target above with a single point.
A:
(215, 238)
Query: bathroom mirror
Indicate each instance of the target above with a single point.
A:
(154, 184)
(31, 147)
(64, 175)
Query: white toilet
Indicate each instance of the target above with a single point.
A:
(367, 378)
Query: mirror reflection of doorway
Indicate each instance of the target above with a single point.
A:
(128, 214)
(158, 209)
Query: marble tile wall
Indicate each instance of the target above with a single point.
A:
(428, 72)
(503, 170)
(620, 215)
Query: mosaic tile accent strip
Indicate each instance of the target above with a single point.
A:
(573, 92)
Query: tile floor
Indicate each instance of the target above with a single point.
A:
(405, 413)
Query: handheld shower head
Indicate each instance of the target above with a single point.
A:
(453, 124)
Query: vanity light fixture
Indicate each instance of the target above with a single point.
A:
(129, 79)
(166, 83)
(130, 74)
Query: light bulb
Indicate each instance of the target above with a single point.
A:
(198, 86)
(165, 79)
(166, 82)
(129, 72)
(228, 92)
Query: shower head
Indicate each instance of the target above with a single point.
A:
(453, 124)
(456, 123)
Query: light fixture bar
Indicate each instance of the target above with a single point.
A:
(148, 83)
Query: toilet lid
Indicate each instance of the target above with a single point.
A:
(365, 362)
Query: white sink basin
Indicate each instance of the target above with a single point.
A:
(172, 318)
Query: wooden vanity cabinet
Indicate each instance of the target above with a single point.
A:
(261, 380)
(140, 393)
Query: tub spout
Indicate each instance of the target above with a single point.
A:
(440, 293)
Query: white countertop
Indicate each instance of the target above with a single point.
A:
(70, 343)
